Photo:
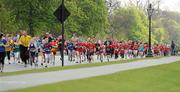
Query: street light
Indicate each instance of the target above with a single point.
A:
(150, 11)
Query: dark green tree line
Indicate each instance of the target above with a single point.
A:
(88, 17)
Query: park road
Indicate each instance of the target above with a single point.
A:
(30, 80)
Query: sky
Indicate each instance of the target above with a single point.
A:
(172, 5)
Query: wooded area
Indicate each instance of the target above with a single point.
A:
(90, 18)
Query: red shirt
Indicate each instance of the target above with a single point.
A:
(135, 47)
(54, 44)
(126, 46)
(122, 51)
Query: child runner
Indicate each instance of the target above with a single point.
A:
(16, 51)
(9, 49)
(32, 52)
(47, 52)
(54, 49)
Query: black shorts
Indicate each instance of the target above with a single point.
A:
(90, 53)
(2, 57)
(33, 54)
(108, 52)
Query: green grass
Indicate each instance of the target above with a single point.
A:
(59, 68)
(162, 78)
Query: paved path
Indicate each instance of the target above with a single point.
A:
(19, 67)
(29, 80)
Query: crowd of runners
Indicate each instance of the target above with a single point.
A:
(25, 49)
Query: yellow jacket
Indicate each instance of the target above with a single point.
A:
(9, 45)
(25, 40)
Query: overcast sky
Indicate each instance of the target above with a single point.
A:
(173, 5)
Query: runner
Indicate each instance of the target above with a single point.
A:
(2, 52)
(47, 52)
(135, 50)
(78, 50)
(108, 50)
(71, 51)
(33, 50)
(9, 48)
(16, 51)
(141, 50)
(90, 51)
(98, 49)
(173, 46)
(24, 43)
(54, 49)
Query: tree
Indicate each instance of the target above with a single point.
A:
(7, 21)
(112, 5)
(131, 23)
(88, 18)
(32, 14)
(95, 21)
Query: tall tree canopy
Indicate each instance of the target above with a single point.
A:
(130, 24)
(88, 17)
(7, 20)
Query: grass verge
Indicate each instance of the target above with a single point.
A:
(162, 78)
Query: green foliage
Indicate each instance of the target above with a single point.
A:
(41, 17)
(7, 21)
(167, 27)
(96, 17)
(88, 18)
(131, 23)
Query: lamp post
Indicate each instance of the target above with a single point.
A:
(150, 11)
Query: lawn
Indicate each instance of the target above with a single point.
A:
(59, 68)
(162, 78)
